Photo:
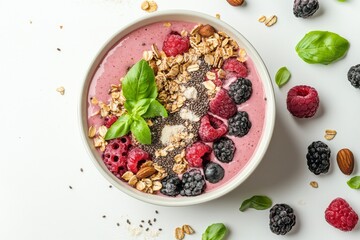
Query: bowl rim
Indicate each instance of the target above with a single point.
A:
(270, 113)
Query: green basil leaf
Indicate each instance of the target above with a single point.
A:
(322, 47)
(155, 109)
(257, 202)
(141, 130)
(119, 128)
(139, 82)
(216, 231)
(282, 76)
(138, 107)
(354, 182)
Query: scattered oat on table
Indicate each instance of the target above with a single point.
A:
(149, 6)
(314, 184)
(217, 16)
(179, 233)
(262, 19)
(61, 90)
(271, 21)
(330, 134)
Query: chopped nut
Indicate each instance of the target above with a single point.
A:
(92, 132)
(271, 21)
(314, 184)
(187, 229)
(262, 19)
(61, 90)
(330, 134)
(179, 233)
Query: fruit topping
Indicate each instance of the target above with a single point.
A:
(175, 44)
(136, 157)
(109, 120)
(193, 183)
(171, 185)
(197, 153)
(239, 125)
(211, 128)
(302, 101)
(235, 68)
(224, 149)
(213, 172)
(222, 105)
(240, 90)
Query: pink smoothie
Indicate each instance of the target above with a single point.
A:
(129, 50)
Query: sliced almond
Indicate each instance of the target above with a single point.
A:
(145, 172)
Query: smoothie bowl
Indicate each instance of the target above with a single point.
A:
(177, 109)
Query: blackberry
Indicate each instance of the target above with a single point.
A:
(305, 8)
(224, 149)
(240, 90)
(171, 185)
(193, 183)
(354, 76)
(213, 172)
(318, 157)
(282, 219)
(239, 125)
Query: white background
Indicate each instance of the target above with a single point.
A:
(42, 152)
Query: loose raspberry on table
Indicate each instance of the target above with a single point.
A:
(175, 44)
(302, 101)
(136, 157)
(235, 67)
(340, 215)
(115, 155)
(197, 153)
(109, 120)
(222, 105)
(211, 128)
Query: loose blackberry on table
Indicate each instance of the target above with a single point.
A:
(224, 149)
(354, 76)
(282, 219)
(318, 157)
(305, 8)
(239, 125)
(240, 90)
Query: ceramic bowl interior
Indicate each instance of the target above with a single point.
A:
(269, 115)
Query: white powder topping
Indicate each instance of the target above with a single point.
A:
(169, 131)
(186, 114)
(190, 92)
(135, 231)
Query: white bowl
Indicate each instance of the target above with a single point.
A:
(256, 158)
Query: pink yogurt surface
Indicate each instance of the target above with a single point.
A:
(129, 50)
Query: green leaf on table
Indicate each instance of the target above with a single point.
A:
(139, 82)
(119, 128)
(141, 130)
(216, 231)
(257, 202)
(322, 47)
(282, 76)
(155, 109)
(354, 182)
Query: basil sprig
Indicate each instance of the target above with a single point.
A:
(216, 231)
(257, 202)
(322, 47)
(354, 182)
(139, 89)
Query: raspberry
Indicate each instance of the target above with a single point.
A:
(240, 90)
(222, 105)
(235, 67)
(339, 214)
(302, 101)
(211, 128)
(217, 81)
(175, 44)
(115, 155)
(109, 120)
(136, 157)
(197, 153)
